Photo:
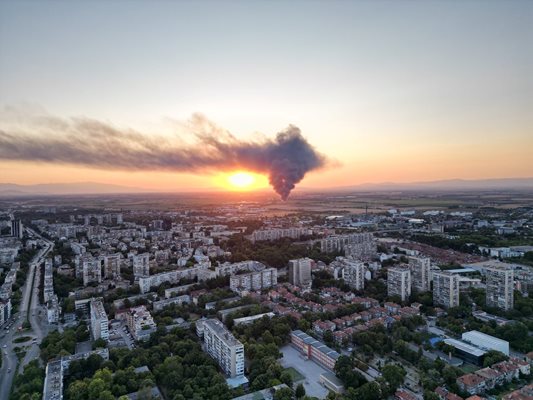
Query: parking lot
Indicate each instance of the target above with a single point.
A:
(309, 369)
(119, 335)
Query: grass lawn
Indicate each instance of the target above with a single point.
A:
(469, 368)
(22, 339)
(296, 376)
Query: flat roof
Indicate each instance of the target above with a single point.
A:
(484, 336)
(458, 344)
(462, 270)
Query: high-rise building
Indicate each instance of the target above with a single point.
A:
(17, 229)
(92, 270)
(300, 271)
(420, 267)
(111, 265)
(352, 271)
(222, 346)
(500, 284)
(99, 321)
(445, 289)
(141, 266)
(399, 282)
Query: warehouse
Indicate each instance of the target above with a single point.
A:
(486, 342)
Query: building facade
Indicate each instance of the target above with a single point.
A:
(256, 280)
(500, 284)
(445, 289)
(222, 346)
(420, 267)
(99, 321)
(399, 283)
(300, 271)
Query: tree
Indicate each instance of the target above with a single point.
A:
(283, 394)
(300, 391)
(394, 375)
(493, 357)
(369, 391)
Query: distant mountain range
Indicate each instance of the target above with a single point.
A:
(449, 184)
(12, 189)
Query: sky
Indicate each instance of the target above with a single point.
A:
(388, 91)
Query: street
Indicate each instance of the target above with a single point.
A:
(29, 297)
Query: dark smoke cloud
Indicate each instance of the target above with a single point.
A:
(80, 141)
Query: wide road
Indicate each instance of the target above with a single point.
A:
(9, 358)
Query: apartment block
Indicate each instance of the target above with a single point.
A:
(446, 289)
(352, 271)
(140, 323)
(254, 280)
(399, 282)
(278, 233)
(99, 321)
(111, 265)
(141, 265)
(300, 271)
(360, 246)
(500, 285)
(222, 346)
(420, 267)
(91, 270)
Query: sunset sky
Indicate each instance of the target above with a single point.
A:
(392, 91)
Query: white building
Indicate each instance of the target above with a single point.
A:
(172, 276)
(300, 271)
(399, 283)
(99, 321)
(420, 267)
(222, 346)
(445, 289)
(486, 342)
(500, 284)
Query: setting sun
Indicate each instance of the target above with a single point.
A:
(241, 181)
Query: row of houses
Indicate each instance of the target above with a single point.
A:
(488, 378)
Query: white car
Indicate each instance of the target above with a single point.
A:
(4, 346)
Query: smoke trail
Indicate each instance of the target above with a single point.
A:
(80, 141)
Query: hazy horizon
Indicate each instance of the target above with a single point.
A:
(387, 91)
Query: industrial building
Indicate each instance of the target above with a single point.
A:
(467, 352)
(486, 342)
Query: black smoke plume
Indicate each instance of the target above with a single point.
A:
(80, 141)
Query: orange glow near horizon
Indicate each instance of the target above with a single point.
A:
(241, 181)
